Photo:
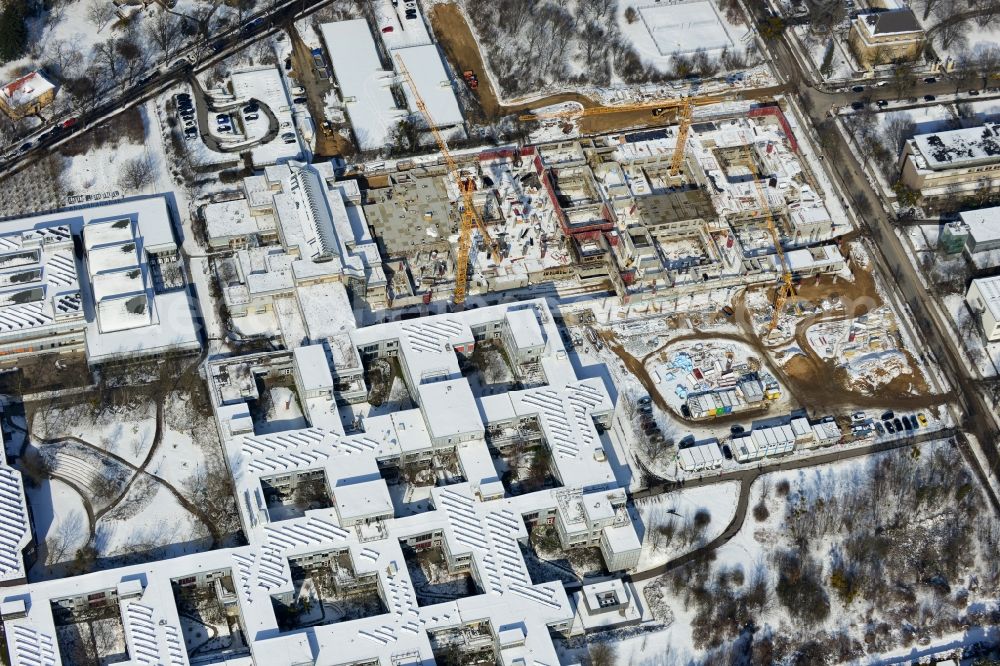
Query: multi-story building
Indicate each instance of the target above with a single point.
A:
(26, 96)
(128, 277)
(952, 162)
(882, 37)
(983, 298)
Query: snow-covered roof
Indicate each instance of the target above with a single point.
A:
(15, 533)
(25, 90)
(702, 456)
(450, 408)
(313, 368)
(169, 326)
(524, 328)
(984, 224)
(473, 518)
(364, 83)
(356, 501)
(814, 258)
(989, 288)
(432, 82)
(958, 148)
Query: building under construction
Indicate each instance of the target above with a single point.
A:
(618, 212)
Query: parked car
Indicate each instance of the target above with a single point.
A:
(687, 441)
(906, 424)
(922, 419)
(929, 98)
(930, 79)
(299, 100)
(857, 106)
(879, 429)
(387, 29)
(899, 424)
(857, 417)
(222, 119)
(251, 116)
(251, 108)
(882, 103)
(737, 429)
(891, 429)
(974, 93)
(858, 89)
(888, 416)
(727, 453)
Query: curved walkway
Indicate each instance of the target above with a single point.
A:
(746, 477)
(203, 106)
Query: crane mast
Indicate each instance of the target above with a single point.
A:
(469, 215)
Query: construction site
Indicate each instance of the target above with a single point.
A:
(722, 198)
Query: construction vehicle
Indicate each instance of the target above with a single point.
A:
(658, 109)
(471, 79)
(787, 288)
(469, 216)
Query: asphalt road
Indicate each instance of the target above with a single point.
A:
(195, 57)
(746, 477)
(896, 265)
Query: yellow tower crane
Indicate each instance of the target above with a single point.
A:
(466, 186)
(786, 289)
(685, 109)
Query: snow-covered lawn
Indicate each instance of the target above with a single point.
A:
(862, 558)
(663, 30)
(668, 525)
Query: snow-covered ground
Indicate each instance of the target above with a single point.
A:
(820, 524)
(663, 30)
(667, 522)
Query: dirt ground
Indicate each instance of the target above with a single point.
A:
(815, 383)
(455, 36)
(316, 89)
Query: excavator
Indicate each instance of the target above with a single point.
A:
(466, 186)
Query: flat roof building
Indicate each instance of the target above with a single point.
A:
(109, 301)
(943, 163)
(983, 297)
(365, 84)
(983, 229)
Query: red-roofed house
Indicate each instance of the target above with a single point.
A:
(26, 95)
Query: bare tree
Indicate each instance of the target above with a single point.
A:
(602, 654)
(899, 127)
(70, 531)
(164, 30)
(988, 61)
(132, 56)
(136, 173)
(107, 58)
(100, 13)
